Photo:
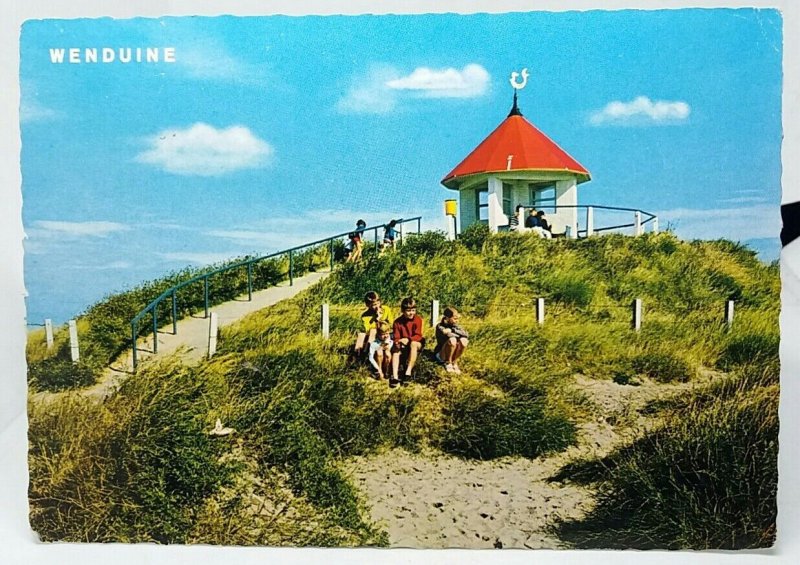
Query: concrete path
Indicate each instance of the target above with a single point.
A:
(191, 339)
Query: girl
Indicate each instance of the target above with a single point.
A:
(357, 241)
(380, 350)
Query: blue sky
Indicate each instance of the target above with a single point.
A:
(268, 132)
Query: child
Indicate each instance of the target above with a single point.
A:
(408, 341)
(375, 313)
(451, 340)
(380, 350)
(357, 241)
(389, 235)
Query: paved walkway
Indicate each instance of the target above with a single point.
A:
(192, 335)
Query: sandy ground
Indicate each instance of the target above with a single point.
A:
(434, 500)
(191, 339)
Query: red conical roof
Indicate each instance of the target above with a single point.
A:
(529, 148)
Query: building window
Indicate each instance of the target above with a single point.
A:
(542, 196)
(482, 203)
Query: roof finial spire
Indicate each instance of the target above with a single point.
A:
(517, 86)
(515, 109)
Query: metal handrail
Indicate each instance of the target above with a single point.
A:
(649, 216)
(172, 291)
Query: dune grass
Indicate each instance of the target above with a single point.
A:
(299, 405)
(104, 329)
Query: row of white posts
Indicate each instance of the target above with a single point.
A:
(73, 337)
(636, 315)
(213, 324)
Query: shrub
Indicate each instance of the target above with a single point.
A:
(662, 367)
(483, 423)
(749, 347)
(571, 288)
(133, 469)
(426, 244)
(475, 236)
(707, 479)
(57, 373)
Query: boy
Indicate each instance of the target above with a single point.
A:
(451, 340)
(408, 340)
(376, 312)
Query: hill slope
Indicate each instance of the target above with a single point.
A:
(300, 409)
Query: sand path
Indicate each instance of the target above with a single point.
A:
(191, 339)
(435, 500)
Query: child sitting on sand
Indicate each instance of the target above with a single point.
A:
(451, 340)
(380, 350)
(408, 341)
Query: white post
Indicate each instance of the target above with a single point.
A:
(73, 341)
(637, 223)
(521, 219)
(589, 221)
(451, 227)
(212, 334)
(637, 314)
(540, 311)
(729, 314)
(48, 332)
(326, 321)
(434, 313)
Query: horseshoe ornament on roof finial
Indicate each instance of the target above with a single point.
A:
(513, 79)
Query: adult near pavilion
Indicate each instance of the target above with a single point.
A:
(518, 165)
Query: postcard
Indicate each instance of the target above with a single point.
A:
(480, 281)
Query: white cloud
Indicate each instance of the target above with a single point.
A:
(737, 224)
(744, 200)
(469, 82)
(80, 229)
(203, 150)
(369, 94)
(642, 111)
(383, 87)
(31, 111)
(197, 258)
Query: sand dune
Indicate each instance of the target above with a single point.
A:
(434, 500)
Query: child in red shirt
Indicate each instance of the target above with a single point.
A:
(408, 340)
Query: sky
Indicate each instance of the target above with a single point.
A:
(267, 132)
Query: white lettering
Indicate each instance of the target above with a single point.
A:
(77, 55)
(57, 55)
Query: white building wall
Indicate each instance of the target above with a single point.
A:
(566, 195)
(495, 201)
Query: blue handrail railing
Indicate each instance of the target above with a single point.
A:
(172, 292)
(646, 216)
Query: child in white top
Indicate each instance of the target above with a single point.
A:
(380, 350)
